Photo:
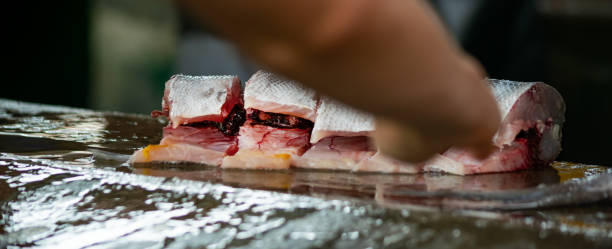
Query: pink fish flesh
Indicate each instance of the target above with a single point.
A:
(267, 147)
(530, 133)
(343, 153)
(206, 137)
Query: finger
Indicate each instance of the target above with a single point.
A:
(401, 142)
(478, 143)
(483, 151)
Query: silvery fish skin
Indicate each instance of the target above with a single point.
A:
(337, 119)
(269, 92)
(523, 103)
(524, 107)
(198, 98)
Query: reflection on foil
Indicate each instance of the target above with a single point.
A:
(503, 191)
(568, 193)
(64, 183)
(67, 127)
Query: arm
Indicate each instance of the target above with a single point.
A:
(392, 58)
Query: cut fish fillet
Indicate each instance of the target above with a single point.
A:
(270, 145)
(337, 122)
(381, 163)
(529, 135)
(350, 153)
(255, 159)
(190, 99)
(205, 145)
(266, 138)
(205, 113)
(527, 105)
(337, 119)
(511, 158)
(207, 137)
(269, 92)
(177, 153)
(267, 147)
(336, 153)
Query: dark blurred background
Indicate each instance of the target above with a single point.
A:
(116, 55)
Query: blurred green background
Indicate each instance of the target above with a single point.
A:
(117, 54)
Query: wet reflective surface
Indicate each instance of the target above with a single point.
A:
(64, 183)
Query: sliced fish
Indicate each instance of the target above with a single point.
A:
(354, 153)
(206, 145)
(176, 153)
(336, 153)
(187, 102)
(526, 105)
(260, 137)
(529, 134)
(269, 147)
(385, 164)
(273, 136)
(338, 122)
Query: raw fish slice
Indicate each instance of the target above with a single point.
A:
(337, 119)
(381, 163)
(271, 93)
(266, 138)
(256, 159)
(205, 145)
(207, 137)
(180, 152)
(335, 153)
(455, 161)
(530, 133)
(350, 153)
(266, 147)
(526, 105)
(190, 99)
